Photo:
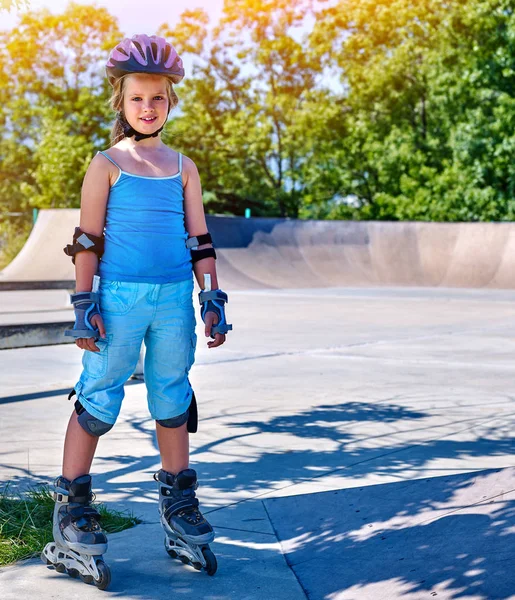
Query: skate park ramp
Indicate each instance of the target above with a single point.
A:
(42, 258)
(282, 253)
(279, 253)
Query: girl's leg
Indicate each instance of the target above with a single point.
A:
(170, 349)
(174, 447)
(170, 342)
(100, 388)
(79, 541)
(79, 450)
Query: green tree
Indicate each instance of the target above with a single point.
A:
(248, 105)
(53, 103)
(420, 125)
(426, 125)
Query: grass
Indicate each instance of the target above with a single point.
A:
(26, 522)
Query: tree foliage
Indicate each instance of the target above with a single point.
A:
(53, 105)
(430, 97)
(377, 109)
(247, 104)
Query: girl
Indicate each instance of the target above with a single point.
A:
(142, 213)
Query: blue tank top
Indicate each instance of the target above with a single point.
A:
(145, 235)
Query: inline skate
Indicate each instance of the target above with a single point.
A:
(188, 534)
(79, 541)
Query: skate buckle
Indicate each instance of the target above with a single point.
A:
(59, 497)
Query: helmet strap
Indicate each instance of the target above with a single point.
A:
(129, 131)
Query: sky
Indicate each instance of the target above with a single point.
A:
(146, 16)
(134, 16)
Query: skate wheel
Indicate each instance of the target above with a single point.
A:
(197, 566)
(73, 573)
(86, 578)
(210, 558)
(170, 552)
(60, 568)
(105, 575)
(44, 559)
(185, 560)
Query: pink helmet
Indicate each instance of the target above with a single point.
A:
(144, 54)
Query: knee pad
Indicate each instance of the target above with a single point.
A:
(89, 423)
(174, 422)
(190, 417)
(193, 415)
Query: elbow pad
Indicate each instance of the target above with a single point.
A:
(194, 242)
(197, 255)
(84, 241)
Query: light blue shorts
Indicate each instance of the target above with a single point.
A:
(163, 316)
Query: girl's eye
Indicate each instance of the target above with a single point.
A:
(155, 98)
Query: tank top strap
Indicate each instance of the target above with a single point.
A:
(180, 163)
(109, 158)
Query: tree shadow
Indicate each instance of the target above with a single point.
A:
(319, 444)
(309, 445)
(457, 549)
(260, 456)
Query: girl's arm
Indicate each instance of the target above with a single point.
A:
(195, 221)
(95, 193)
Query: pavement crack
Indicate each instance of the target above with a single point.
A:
(285, 556)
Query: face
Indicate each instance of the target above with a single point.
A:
(145, 102)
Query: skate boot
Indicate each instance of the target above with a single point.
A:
(79, 541)
(188, 534)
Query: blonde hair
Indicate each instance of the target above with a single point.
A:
(116, 103)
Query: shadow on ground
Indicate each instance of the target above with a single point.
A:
(451, 537)
(408, 535)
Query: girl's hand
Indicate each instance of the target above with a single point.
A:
(212, 319)
(89, 343)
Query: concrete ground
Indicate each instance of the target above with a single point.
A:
(353, 444)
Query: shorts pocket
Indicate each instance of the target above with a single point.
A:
(117, 297)
(193, 347)
(95, 363)
(185, 291)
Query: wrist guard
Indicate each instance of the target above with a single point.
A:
(86, 306)
(214, 301)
